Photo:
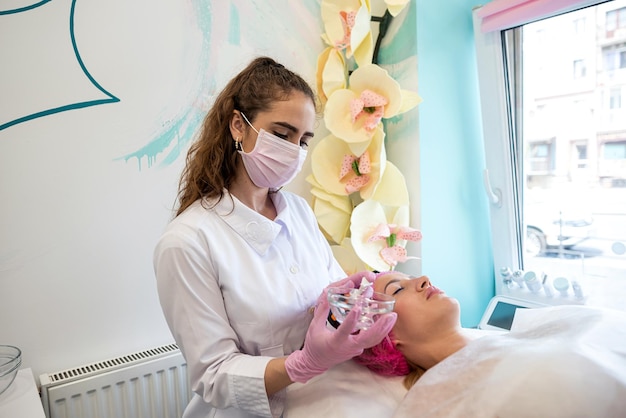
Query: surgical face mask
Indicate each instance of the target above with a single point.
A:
(273, 162)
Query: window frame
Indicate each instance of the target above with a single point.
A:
(499, 71)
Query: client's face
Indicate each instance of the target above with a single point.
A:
(423, 310)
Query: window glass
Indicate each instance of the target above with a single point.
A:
(573, 149)
(554, 125)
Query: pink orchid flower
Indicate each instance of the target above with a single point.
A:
(360, 167)
(393, 254)
(369, 105)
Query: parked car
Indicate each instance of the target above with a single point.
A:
(549, 228)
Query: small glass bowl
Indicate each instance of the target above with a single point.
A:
(10, 362)
(371, 307)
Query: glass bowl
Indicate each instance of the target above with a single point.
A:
(10, 362)
(341, 304)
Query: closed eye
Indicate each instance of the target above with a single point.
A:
(304, 139)
(393, 288)
(281, 135)
(398, 290)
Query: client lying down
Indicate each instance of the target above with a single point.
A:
(556, 362)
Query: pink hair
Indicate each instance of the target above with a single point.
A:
(384, 358)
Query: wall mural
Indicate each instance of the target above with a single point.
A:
(46, 71)
(19, 50)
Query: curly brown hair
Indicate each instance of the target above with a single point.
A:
(212, 159)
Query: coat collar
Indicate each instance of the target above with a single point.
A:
(258, 231)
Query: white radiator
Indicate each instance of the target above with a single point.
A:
(147, 384)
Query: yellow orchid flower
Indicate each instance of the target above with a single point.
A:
(379, 234)
(331, 73)
(354, 113)
(347, 25)
(347, 258)
(396, 6)
(332, 211)
(340, 171)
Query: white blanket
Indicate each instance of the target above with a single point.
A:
(348, 390)
(561, 361)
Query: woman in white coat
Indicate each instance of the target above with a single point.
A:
(242, 263)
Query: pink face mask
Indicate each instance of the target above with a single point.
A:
(274, 161)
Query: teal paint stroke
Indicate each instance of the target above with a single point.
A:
(182, 128)
(403, 44)
(70, 106)
(398, 54)
(24, 8)
(233, 30)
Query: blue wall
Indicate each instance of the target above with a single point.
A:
(456, 249)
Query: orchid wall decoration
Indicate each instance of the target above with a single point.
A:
(359, 198)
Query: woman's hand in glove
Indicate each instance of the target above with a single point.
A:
(324, 348)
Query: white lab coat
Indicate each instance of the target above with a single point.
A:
(236, 289)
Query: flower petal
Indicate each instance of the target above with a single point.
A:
(347, 25)
(342, 203)
(364, 53)
(347, 258)
(361, 31)
(393, 255)
(364, 220)
(373, 77)
(396, 6)
(375, 145)
(330, 10)
(326, 164)
(346, 165)
(333, 221)
(392, 190)
(365, 165)
(409, 101)
(331, 73)
(357, 183)
(338, 119)
(381, 232)
(408, 234)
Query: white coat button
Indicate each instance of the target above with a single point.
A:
(293, 269)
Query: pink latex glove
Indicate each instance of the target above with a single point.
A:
(324, 348)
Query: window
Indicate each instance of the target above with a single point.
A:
(555, 150)
(580, 25)
(615, 99)
(615, 150)
(540, 157)
(614, 57)
(615, 19)
(579, 68)
(579, 159)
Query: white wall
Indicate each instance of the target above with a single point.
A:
(87, 188)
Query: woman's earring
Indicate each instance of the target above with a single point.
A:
(238, 146)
